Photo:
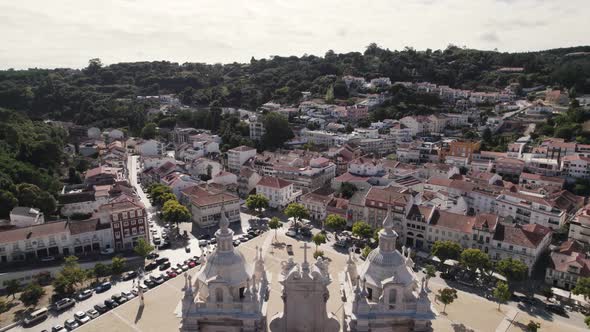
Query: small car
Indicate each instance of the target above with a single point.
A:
(162, 260)
(187, 249)
(172, 274)
(111, 304)
(101, 308)
(556, 309)
(184, 267)
(149, 283)
(105, 286)
(164, 266)
(291, 233)
(130, 275)
(85, 294)
(119, 298)
(81, 317)
(71, 324)
(58, 328)
(64, 303)
(152, 255)
(144, 288)
(92, 313)
(157, 279)
(151, 266)
(47, 259)
(128, 295)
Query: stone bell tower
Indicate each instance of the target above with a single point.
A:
(305, 293)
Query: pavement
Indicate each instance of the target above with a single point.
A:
(158, 312)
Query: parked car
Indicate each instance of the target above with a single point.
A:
(149, 283)
(130, 275)
(236, 243)
(92, 313)
(47, 259)
(187, 249)
(107, 251)
(291, 233)
(101, 308)
(105, 286)
(144, 288)
(152, 255)
(81, 317)
(119, 298)
(557, 309)
(111, 304)
(59, 328)
(71, 324)
(203, 243)
(162, 260)
(165, 266)
(151, 266)
(36, 317)
(157, 279)
(85, 294)
(64, 303)
(172, 274)
(184, 268)
(128, 295)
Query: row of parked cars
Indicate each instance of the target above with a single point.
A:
(83, 317)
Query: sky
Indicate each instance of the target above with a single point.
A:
(63, 33)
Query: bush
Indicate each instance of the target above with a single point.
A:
(318, 253)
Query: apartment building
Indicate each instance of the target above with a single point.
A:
(279, 192)
(237, 157)
(128, 220)
(205, 201)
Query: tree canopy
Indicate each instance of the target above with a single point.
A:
(362, 229)
(446, 250)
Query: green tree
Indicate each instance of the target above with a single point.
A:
(297, 212)
(101, 270)
(70, 277)
(174, 212)
(31, 294)
(118, 264)
(7, 203)
(533, 326)
(159, 194)
(446, 250)
(474, 259)
(257, 202)
(318, 239)
(277, 130)
(362, 230)
(12, 287)
(143, 249)
(366, 251)
(329, 97)
(430, 272)
(587, 321)
(513, 270)
(335, 222)
(347, 189)
(446, 296)
(582, 287)
(502, 293)
(149, 131)
(275, 223)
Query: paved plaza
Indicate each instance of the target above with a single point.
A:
(158, 313)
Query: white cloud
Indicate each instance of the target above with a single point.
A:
(69, 32)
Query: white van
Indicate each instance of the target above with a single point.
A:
(36, 316)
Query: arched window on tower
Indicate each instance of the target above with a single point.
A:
(392, 298)
(218, 295)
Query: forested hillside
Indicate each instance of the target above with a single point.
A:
(96, 95)
(30, 157)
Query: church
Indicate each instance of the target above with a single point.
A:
(230, 294)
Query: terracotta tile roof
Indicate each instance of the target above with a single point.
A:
(101, 170)
(529, 235)
(347, 177)
(454, 221)
(393, 195)
(33, 232)
(86, 226)
(273, 182)
(562, 262)
(570, 246)
(204, 195)
(316, 198)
